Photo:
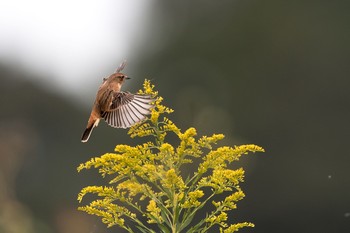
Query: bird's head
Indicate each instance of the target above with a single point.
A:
(117, 77)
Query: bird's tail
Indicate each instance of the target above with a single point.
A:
(88, 131)
(87, 134)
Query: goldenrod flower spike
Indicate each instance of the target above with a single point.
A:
(147, 185)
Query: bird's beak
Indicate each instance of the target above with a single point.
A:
(127, 77)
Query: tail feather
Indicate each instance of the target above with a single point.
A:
(90, 126)
(87, 134)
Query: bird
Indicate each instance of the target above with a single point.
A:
(118, 108)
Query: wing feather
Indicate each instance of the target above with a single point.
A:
(139, 116)
(133, 115)
(128, 115)
(123, 116)
(127, 109)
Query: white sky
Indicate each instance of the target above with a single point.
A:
(69, 41)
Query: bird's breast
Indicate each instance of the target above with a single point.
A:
(115, 86)
(104, 99)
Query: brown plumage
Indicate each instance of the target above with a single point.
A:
(119, 109)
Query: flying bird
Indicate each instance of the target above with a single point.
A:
(119, 109)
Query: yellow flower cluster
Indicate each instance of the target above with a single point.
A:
(147, 180)
(229, 203)
(218, 219)
(192, 200)
(173, 181)
(222, 156)
(236, 227)
(223, 179)
(111, 214)
(153, 212)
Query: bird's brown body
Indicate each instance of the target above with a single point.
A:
(119, 109)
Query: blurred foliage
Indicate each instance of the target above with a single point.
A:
(39, 132)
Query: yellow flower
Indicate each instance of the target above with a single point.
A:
(217, 219)
(154, 116)
(132, 187)
(154, 212)
(173, 181)
(192, 199)
(206, 141)
(224, 155)
(170, 126)
(236, 227)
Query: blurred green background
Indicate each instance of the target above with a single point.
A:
(272, 73)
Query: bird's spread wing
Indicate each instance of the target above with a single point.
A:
(126, 109)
